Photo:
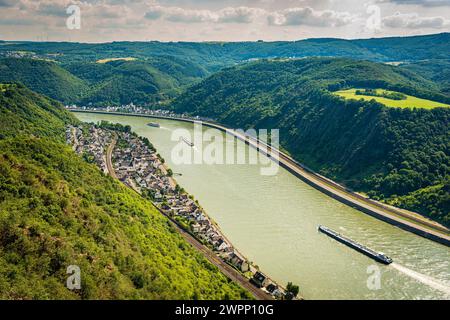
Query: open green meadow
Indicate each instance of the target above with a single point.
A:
(409, 102)
(115, 59)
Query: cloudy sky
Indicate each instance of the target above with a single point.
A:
(218, 20)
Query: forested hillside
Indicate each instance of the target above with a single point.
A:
(156, 72)
(45, 77)
(57, 210)
(141, 82)
(216, 55)
(400, 156)
(147, 82)
(437, 70)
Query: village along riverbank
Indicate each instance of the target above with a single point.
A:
(273, 220)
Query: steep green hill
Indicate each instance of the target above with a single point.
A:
(161, 71)
(149, 81)
(396, 155)
(437, 70)
(44, 77)
(57, 210)
(25, 112)
(141, 82)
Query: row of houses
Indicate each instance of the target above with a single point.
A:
(136, 109)
(91, 142)
(139, 166)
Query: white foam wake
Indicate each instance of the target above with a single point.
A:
(427, 280)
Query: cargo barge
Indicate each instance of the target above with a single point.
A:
(189, 143)
(377, 256)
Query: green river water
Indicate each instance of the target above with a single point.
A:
(273, 221)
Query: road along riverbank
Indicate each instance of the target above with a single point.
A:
(406, 220)
(209, 254)
(272, 219)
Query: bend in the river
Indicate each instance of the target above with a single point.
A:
(273, 221)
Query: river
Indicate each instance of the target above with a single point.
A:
(273, 221)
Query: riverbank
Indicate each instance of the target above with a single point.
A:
(133, 161)
(408, 221)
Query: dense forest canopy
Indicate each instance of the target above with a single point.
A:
(25, 112)
(45, 77)
(57, 210)
(149, 81)
(437, 70)
(156, 72)
(216, 55)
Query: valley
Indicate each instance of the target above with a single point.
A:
(57, 210)
(273, 221)
(393, 155)
(362, 121)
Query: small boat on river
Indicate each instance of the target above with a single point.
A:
(189, 143)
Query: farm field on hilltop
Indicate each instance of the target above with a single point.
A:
(115, 59)
(409, 102)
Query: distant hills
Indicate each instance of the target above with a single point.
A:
(395, 155)
(151, 81)
(437, 70)
(57, 210)
(215, 55)
(45, 77)
(69, 72)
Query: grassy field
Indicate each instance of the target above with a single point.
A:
(115, 59)
(409, 102)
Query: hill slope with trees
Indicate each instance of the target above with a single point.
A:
(437, 70)
(146, 82)
(57, 210)
(215, 55)
(400, 156)
(44, 77)
(158, 71)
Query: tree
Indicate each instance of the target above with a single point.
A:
(292, 291)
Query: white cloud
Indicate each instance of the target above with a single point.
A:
(424, 3)
(176, 14)
(226, 15)
(210, 20)
(414, 21)
(286, 17)
(8, 3)
(52, 8)
(311, 17)
(239, 15)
